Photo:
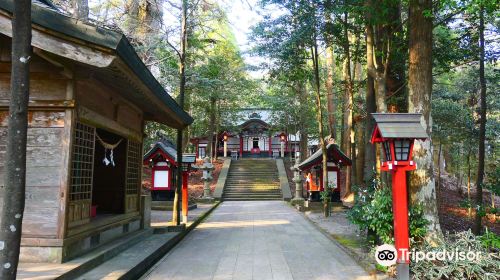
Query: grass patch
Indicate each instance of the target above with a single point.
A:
(349, 242)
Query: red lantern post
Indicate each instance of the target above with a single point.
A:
(225, 138)
(397, 133)
(282, 144)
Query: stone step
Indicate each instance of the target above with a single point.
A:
(241, 181)
(245, 188)
(267, 172)
(254, 178)
(252, 195)
(251, 179)
(250, 198)
(250, 187)
(85, 263)
(252, 191)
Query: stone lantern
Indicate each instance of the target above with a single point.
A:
(207, 167)
(297, 179)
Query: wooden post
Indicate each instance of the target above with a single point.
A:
(241, 146)
(185, 197)
(225, 148)
(270, 146)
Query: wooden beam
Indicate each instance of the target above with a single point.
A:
(61, 47)
(42, 104)
(100, 121)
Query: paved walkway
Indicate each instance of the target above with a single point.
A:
(256, 240)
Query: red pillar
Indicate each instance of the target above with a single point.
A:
(400, 210)
(241, 146)
(197, 143)
(270, 146)
(185, 198)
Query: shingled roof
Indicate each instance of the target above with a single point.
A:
(167, 147)
(334, 155)
(399, 125)
(117, 60)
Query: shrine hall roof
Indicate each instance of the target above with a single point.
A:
(399, 125)
(106, 52)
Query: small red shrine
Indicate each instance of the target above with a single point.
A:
(162, 159)
(313, 168)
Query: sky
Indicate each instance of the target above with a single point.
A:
(242, 14)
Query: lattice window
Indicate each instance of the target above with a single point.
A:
(82, 163)
(134, 160)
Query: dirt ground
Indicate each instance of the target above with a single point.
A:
(195, 184)
(454, 217)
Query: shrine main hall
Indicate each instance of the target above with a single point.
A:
(250, 133)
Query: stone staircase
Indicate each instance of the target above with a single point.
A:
(252, 179)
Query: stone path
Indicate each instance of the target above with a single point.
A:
(256, 240)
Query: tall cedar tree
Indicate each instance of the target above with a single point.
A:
(80, 9)
(482, 124)
(13, 192)
(422, 185)
(182, 88)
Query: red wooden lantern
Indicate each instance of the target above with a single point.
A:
(282, 137)
(397, 133)
(225, 136)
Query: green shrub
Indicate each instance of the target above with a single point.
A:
(373, 211)
(490, 240)
(487, 267)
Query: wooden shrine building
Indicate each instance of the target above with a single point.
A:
(90, 95)
(313, 169)
(250, 133)
(162, 158)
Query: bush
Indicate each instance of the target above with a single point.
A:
(372, 211)
(490, 240)
(487, 267)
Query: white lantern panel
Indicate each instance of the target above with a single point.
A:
(332, 179)
(161, 179)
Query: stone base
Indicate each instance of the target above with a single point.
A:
(179, 228)
(206, 200)
(168, 205)
(297, 201)
(317, 206)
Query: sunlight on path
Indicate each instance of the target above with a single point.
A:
(256, 240)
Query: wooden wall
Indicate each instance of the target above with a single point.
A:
(98, 102)
(45, 160)
(60, 94)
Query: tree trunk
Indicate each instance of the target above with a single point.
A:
(13, 192)
(217, 127)
(347, 110)
(438, 191)
(302, 95)
(348, 106)
(80, 9)
(330, 95)
(319, 117)
(211, 151)
(422, 183)
(182, 86)
(482, 126)
(370, 155)
(469, 200)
